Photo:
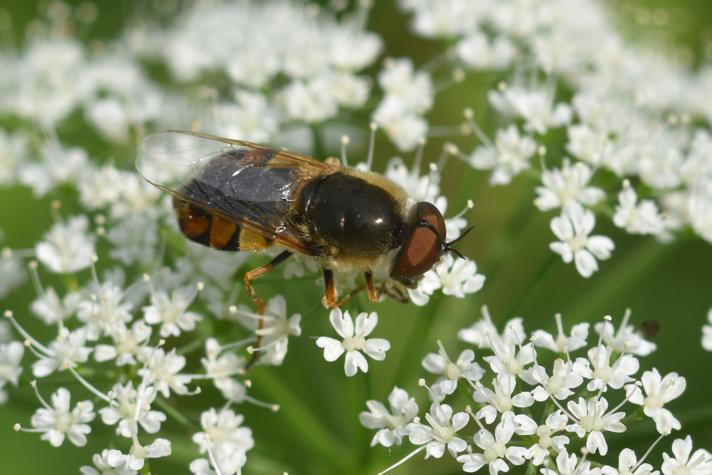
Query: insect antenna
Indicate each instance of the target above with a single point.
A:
(447, 247)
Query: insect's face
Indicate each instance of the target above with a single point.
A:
(423, 247)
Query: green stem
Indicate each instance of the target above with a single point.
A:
(533, 286)
(313, 434)
(628, 270)
(175, 414)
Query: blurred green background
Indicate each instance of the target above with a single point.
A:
(317, 432)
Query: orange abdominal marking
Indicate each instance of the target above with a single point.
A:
(194, 225)
(251, 241)
(221, 231)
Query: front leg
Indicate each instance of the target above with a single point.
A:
(330, 297)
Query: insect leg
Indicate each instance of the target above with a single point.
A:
(259, 303)
(349, 296)
(372, 294)
(329, 289)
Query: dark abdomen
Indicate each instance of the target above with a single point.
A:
(352, 215)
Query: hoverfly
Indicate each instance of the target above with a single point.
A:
(234, 195)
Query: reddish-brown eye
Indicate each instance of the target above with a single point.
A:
(423, 247)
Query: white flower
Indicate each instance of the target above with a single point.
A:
(391, 424)
(306, 101)
(684, 461)
(465, 367)
(411, 90)
(220, 365)
(12, 274)
(592, 420)
(699, 206)
(455, 276)
(510, 357)
(405, 129)
(589, 144)
(354, 341)
(64, 352)
(626, 339)
(562, 343)
(603, 375)
(138, 454)
(109, 116)
(419, 187)
(569, 465)
(628, 465)
(105, 310)
(163, 370)
(67, 248)
(562, 186)
(13, 150)
(408, 94)
(565, 376)
(127, 342)
(133, 239)
(132, 406)
(59, 165)
(458, 277)
(443, 18)
(229, 460)
(658, 392)
(250, 117)
(508, 157)
(535, 106)
(223, 428)
(441, 431)
(100, 187)
(137, 196)
(10, 365)
(501, 399)
(348, 90)
(573, 228)
(483, 332)
(545, 433)
(707, 333)
(59, 421)
(276, 330)
(478, 51)
(634, 217)
(495, 449)
(172, 311)
(104, 467)
(51, 309)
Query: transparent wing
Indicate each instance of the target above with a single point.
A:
(251, 185)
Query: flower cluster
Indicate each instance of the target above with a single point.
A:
(119, 292)
(510, 399)
(594, 109)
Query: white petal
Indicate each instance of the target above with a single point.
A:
(333, 349)
(376, 348)
(353, 362)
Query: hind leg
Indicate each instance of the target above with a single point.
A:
(259, 303)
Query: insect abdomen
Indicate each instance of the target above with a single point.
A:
(213, 230)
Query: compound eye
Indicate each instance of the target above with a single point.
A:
(423, 248)
(419, 254)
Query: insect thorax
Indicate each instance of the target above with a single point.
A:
(351, 215)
